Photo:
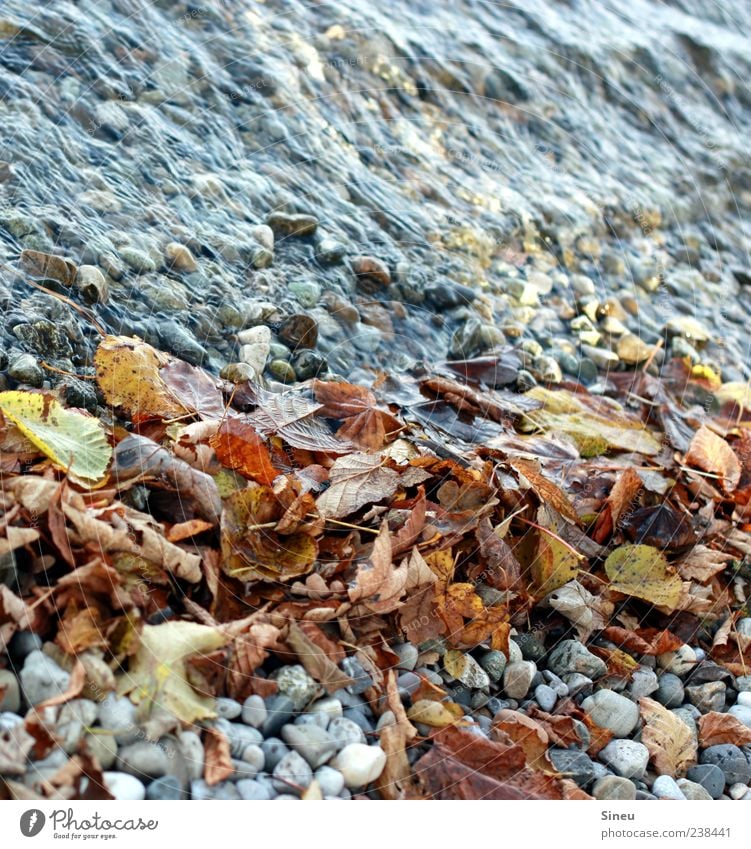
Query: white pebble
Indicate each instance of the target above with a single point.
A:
(360, 764)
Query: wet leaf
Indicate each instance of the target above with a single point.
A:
(365, 424)
(128, 373)
(643, 571)
(672, 748)
(158, 675)
(239, 447)
(710, 453)
(660, 526)
(72, 441)
(194, 389)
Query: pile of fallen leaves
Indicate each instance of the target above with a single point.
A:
(209, 530)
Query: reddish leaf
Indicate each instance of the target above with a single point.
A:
(218, 764)
(239, 447)
(364, 424)
(716, 728)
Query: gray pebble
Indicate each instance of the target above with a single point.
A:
(253, 711)
(42, 678)
(710, 776)
(573, 763)
(730, 759)
(546, 697)
(143, 759)
(331, 781)
(517, 678)
(124, 787)
(166, 788)
(251, 790)
(280, 710)
(228, 708)
(344, 731)
(362, 681)
(665, 787)
(626, 758)
(274, 750)
(118, 714)
(670, 692)
(613, 711)
(315, 744)
(292, 768)
(614, 787)
(571, 656)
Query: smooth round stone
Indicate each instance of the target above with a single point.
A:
(317, 718)
(742, 714)
(166, 788)
(707, 697)
(118, 714)
(314, 743)
(470, 673)
(614, 787)
(330, 707)
(254, 756)
(555, 683)
(626, 758)
(11, 698)
(360, 718)
(670, 692)
(744, 698)
(494, 663)
(730, 759)
(692, 791)
(665, 787)
(42, 678)
(517, 678)
(578, 684)
(574, 764)
(737, 791)
(571, 656)
(359, 764)
(612, 711)
(239, 735)
(103, 748)
(124, 787)
(253, 711)
(295, 683)
(331, 781)
(228, 708)
(408, 683)
(408, 656)
(711, 778)
(225, 790)
(643, 683)
(679, 662)
(387, 718)
(291, 770)
(280, 710)
(743, 683)
(344, 732)
(352, 667)
(252, 790)
(274, 751)
(192, 752)
(546, 697)
(143, 759)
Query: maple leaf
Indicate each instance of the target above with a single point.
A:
(364, 424)
(671, 745)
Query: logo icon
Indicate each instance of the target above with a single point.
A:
(32, 822)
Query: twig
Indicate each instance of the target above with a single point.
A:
(555, 536)
(66, 373)
(87, 314)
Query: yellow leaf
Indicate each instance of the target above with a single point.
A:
(158, 673)
(554, 565)
(434, 714)
(671, 744)
(642, 571)
(127, 371)
(71, 440)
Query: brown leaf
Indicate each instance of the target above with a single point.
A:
(648, 641)
(621, 496)
(716, 728)
(316, 662)
(710, 453)
(702, 564)
(239, 447)
(546, 490)
(80, 778)
(185, 530)
(396, 774)
(671, 745)
(527, 733)
(41, 265)
(218, 764)
(364, 424)
(502, 568)
(378, 585)
(295, 419)
(77, 680)
(194, 389)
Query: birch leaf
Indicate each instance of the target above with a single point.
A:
(643, 572)
(672, 748)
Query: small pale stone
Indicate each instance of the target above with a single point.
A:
(124, 787)
(292, 768)
(679, 662)
(692, 791)
(331, 781)
(546, 697)
(344, 732)
(614, 787)
(742, 714)
(612, 711)
(360, 764)
(737, 791)
(254, 711)
(42, 678)
(665, 787)
(517, 678)
(627, 758)
(179, 257)
(311, 741)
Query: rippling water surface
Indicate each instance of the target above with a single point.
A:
(476, 148)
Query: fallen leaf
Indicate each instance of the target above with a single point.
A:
(75, 685)
(157, 673)
(649, 641)
(378, 585)
(660, 526)
(643, 571)
(546, 490)
(434, 714)
(396, 774)
(73, 441)
(624, 491)
(239, 447)
(218, 764)
(703, 563)
(671, 745)
(586, 612)
(317, 663)
(718, 728)
(128, 373)
(527, 733)
(194, 389)
(710, 453)
(554, 565)
(185, 530)
(364, 424)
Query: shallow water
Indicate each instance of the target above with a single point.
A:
(471, 144)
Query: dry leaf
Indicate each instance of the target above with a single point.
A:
(643, 571)
(586, 612)
(317, 663)
(364, 424)
(672, 748)
(716, 728)
(218, 764)
(710, 453)
(239, 447)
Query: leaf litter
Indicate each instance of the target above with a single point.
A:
(335, 520)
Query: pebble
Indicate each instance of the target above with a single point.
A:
(252, 790)
(239, 735)
(92, 284)
(546, 697)
(741, 713)
(575, 764)
(517, 678)
(344, 732)
(11, 697)
(494, 663)
(253, 756)
(710, 777)
(295, 683)
(743, 683)
(167, 788)
(626, 758)
(292, 225)
(571, 656)
(744, 698)
(610, 710)
(143, 759)
(331, 781)
(352, 667)
(737, 791)
(180, 258)
(25, 369)
(678, 662)
(280, 709)
(228, 708)
(359, 764)
(330, 707)
(613, 787)
(292, 768)
(103, 748)
(578, 684)
(692, 791)
(408, 683)
(274, 750)
(408, 656)
(643, 683)
(665, 787)
(670, 692)
(311, 741)
(23, 644)
(124, 787)
(253, 711)
(730, 759)
(707, 697)
(225, 790)
(42, 678)
(192, 751)
(468, 671)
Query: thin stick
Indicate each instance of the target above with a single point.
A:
(66, 373)
(350, 525)
(652, 355)
(79, 309)
(554, 536)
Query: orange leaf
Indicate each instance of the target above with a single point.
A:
(710, 453)
(239, 447)
(218, 764)
(184, 530)
(363, 423)
(716, 728)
